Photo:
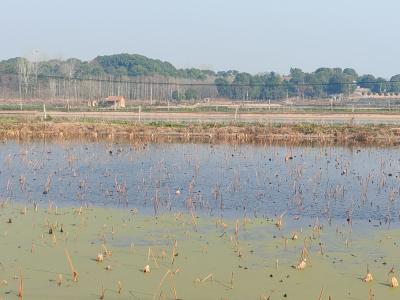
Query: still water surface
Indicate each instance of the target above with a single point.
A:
(325, 182)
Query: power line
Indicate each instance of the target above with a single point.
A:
(286, 84)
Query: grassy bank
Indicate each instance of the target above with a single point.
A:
(378, 108)
(160, 131)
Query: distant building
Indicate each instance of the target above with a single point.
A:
(359, 91)
(115, 102)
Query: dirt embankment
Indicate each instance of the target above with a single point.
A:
(210, 133)
(293, 117)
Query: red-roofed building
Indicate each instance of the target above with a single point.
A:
(114, 102)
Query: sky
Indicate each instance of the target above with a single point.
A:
(249, 35)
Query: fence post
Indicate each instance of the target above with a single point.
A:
(236, 112)
(44, 111)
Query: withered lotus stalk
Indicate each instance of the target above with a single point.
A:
(394, 282)
(146, 269)
(368, 277)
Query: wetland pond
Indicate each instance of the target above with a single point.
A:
(325, 182)
(103, 220)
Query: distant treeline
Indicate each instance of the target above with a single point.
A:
(138, 77)
(118, 66)
(323, 82)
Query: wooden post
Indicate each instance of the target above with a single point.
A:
(236, 112)
(44, 111)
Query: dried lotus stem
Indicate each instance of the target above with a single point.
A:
(73, 271)
(368, 277)
(21, 286)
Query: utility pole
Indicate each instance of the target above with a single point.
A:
(35, 59)
(151, 93)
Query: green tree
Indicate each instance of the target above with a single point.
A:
(223, 87)
(340, 83)
(274, 88)
(380, 86)
(314, 87)
(296, 83)
(177, 96)
(351, 74)
(395, 84)
(366, 81)
(241, 86)
(9, 66)
(191, 94)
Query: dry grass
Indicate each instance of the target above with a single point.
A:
(238, 133)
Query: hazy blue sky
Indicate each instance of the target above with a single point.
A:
(252, 35)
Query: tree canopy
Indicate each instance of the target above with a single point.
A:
(116, 66)
(323, 82)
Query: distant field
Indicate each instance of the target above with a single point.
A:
(320, 111)
(219, 117)
(361, 105)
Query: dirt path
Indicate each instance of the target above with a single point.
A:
(329, 118)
